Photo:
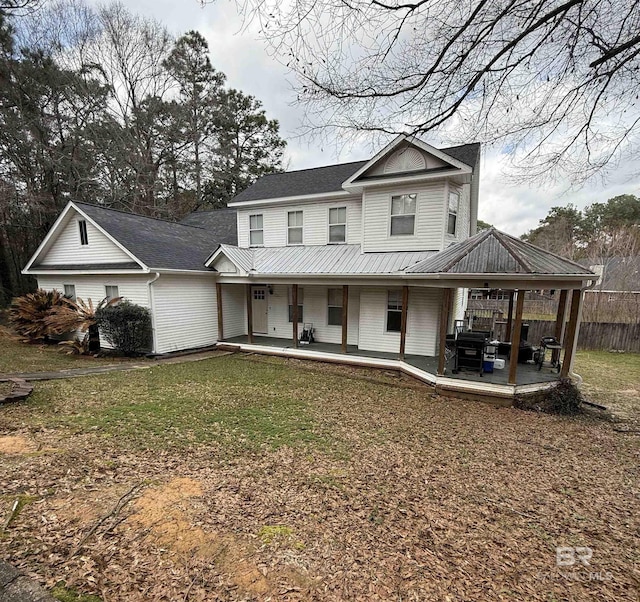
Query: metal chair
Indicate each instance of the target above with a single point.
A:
(553, 344)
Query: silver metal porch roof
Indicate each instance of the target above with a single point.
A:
(325, 259)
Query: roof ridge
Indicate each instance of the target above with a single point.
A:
(158, 219)
(312, 168)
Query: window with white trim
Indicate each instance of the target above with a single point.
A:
(334, 309)
(454, 203)
(300, 303)
(394, 311)
(403, 215)
(70, 291)
(256, 231)
(476, 294)
(111, 292)
(294, 229)
(82, 227)
(337, 225)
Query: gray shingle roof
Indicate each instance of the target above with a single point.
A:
(620, 273)
(494, 252)
(322, 260)
(157, 243)
(220, 224)
(321, 180)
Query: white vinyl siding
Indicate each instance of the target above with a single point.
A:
(66, 248)
(315, 223)
(234, 312)
(133, 288)
(428, 231)
(423, 313)
(186, 314)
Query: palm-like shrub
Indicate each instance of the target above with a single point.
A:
(80, 316)
(29, 314)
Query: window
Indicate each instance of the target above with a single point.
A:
(111, 292)
(394, 311)
(300, 308)
(499, 295)
(256, 232)
(82, 226)
(294, 233)
(70, 291)
(334, 314)
(454, 202)
(476, 294)
(403, 214)
(337, 225)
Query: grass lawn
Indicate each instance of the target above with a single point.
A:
(253, 478)
(26, 357)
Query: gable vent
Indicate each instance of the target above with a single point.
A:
(407, 159)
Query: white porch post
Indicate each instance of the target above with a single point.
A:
(345, 312)
(219, 304)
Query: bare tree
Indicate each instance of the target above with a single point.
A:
(554, 81)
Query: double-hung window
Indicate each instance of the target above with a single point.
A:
(337, 225)
(454, 203)
(300, 305)
(256, 231)
(82, 227)
(334, 313)
(111, 292)
(394, 311)
(294, 230)
(70, 291)
(403, 215)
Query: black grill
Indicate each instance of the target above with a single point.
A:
(470, 351)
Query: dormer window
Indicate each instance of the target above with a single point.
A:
(82, 227)
(337, 225)
(256, 231)
(403, 215)
(454, 203)
(294, 231)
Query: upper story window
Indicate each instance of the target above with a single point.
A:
(337, 224)
(454, 203)
(70, 291)
(111, 292)
(294, 230)
(256, 231)
(82, 226)
(403, 215)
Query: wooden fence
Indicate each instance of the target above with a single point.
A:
(593, 335)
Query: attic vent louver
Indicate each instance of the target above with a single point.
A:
(407, 159)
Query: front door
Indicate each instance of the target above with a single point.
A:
(259, 305)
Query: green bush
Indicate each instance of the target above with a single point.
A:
(126, 326)
(565, 399)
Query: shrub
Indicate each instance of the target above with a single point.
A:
(126, 326)
(565, 398)
(29, 314)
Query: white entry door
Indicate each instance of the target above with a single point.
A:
(259, 308)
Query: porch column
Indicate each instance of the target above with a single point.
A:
(509, 316)
(560, 323)
(444, 322)
(403, 321)
(571, 337)
(294, 301)
(249, 314)
(219, 303)
(515, 338)
(345, 314)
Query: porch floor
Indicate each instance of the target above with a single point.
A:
(527, 374)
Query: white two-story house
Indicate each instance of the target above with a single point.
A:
(375, 256)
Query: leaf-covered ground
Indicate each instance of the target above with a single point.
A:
(250, 478)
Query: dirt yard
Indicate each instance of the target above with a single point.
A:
(248, 478)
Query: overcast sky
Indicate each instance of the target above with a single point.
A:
(242, 57)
